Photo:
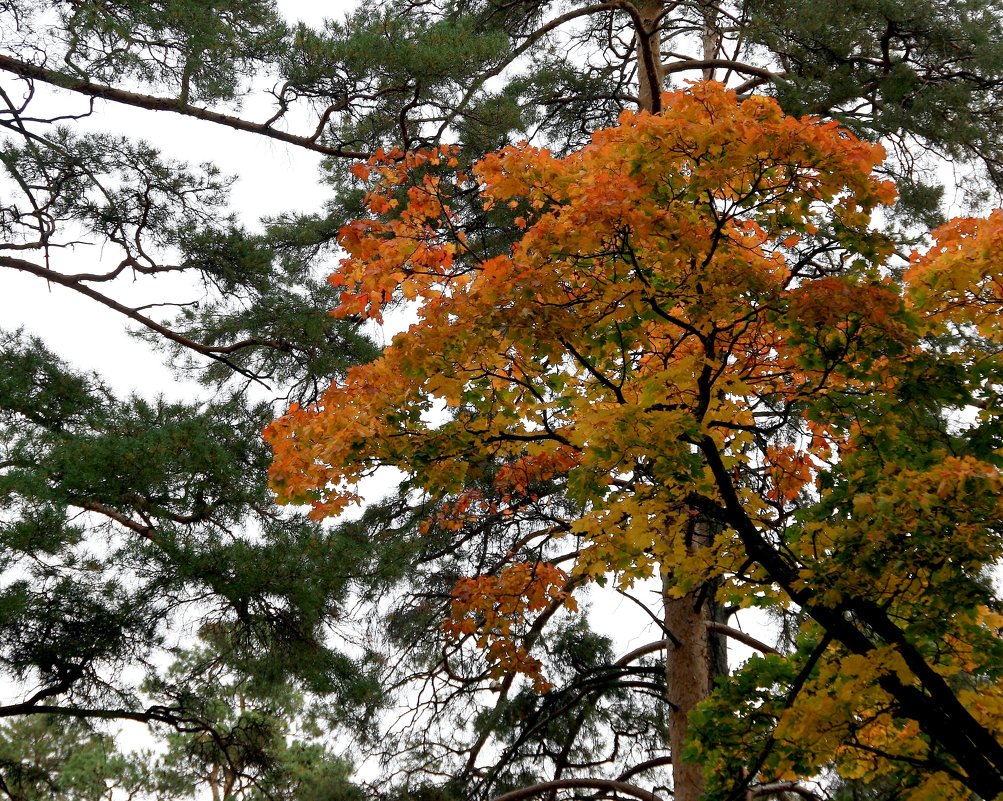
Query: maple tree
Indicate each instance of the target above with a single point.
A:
(697, 360)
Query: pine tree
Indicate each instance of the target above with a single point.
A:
(121, 512)
(48, 758)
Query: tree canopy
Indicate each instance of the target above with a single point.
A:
(133, 525)
(695, 361)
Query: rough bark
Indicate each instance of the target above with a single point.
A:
(650, 73)
(697, 656)
(700, 654)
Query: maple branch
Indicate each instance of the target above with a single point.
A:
(102, 91)
(596, 374)
(585, 784)
(543, 437)
(739, 792)
(671, 318)
(914, 762)
(935, 707)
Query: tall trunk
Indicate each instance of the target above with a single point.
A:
(699, 655)
(691, 665)
(711, 36)
(213, 780)
(650, 74)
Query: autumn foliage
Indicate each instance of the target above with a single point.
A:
(692, 318)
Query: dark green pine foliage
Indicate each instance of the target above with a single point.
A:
(263, 740)
(203, 49)
(130, 524)
(48, 758)
(122, 518)
(919, 75)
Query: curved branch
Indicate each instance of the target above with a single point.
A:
(145, 531)
(56, 277)
(641, 767)
(153, 714)
(89, 88)
(725, 63)
(644, 650)
(740, 636)
(585, 784)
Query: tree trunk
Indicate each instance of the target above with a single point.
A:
(691, 665)
(699, 655)
(649, 55)
(711, 37)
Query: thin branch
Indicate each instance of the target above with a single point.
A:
(644, 650)
(58, 278)
(89, 88)
(641, 767)
(726, 63)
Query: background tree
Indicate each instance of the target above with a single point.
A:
(261, 742)
(256, 742)
(124, 519)
(44, 758)
(123, 515)
(120, 515)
